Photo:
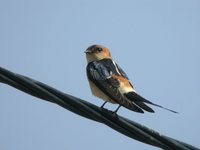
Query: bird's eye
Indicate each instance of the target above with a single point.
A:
(98, 49)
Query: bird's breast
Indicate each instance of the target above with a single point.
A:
(98, 93)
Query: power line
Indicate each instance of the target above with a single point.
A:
(83, 108)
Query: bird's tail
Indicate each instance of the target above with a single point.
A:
(140, 101)
(124, 101)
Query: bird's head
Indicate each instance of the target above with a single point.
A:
(97, 52)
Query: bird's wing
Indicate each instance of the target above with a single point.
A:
(140, 104)
(114, 67)
(102, 75)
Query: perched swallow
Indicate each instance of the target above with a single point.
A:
(110, 83)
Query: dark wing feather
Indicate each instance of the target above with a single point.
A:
(109, 64)
(101, 76)
(122, 72)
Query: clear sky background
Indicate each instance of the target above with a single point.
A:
(156, 42)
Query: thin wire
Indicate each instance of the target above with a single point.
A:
(83, 108)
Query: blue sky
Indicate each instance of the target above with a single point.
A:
(156, 42)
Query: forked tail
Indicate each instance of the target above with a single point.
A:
(139, 101)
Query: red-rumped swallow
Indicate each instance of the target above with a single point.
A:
(110, 83)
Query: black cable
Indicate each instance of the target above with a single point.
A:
(83, 108)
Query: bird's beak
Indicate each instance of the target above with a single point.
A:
(88, 51)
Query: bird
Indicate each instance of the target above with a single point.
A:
(110, 83)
